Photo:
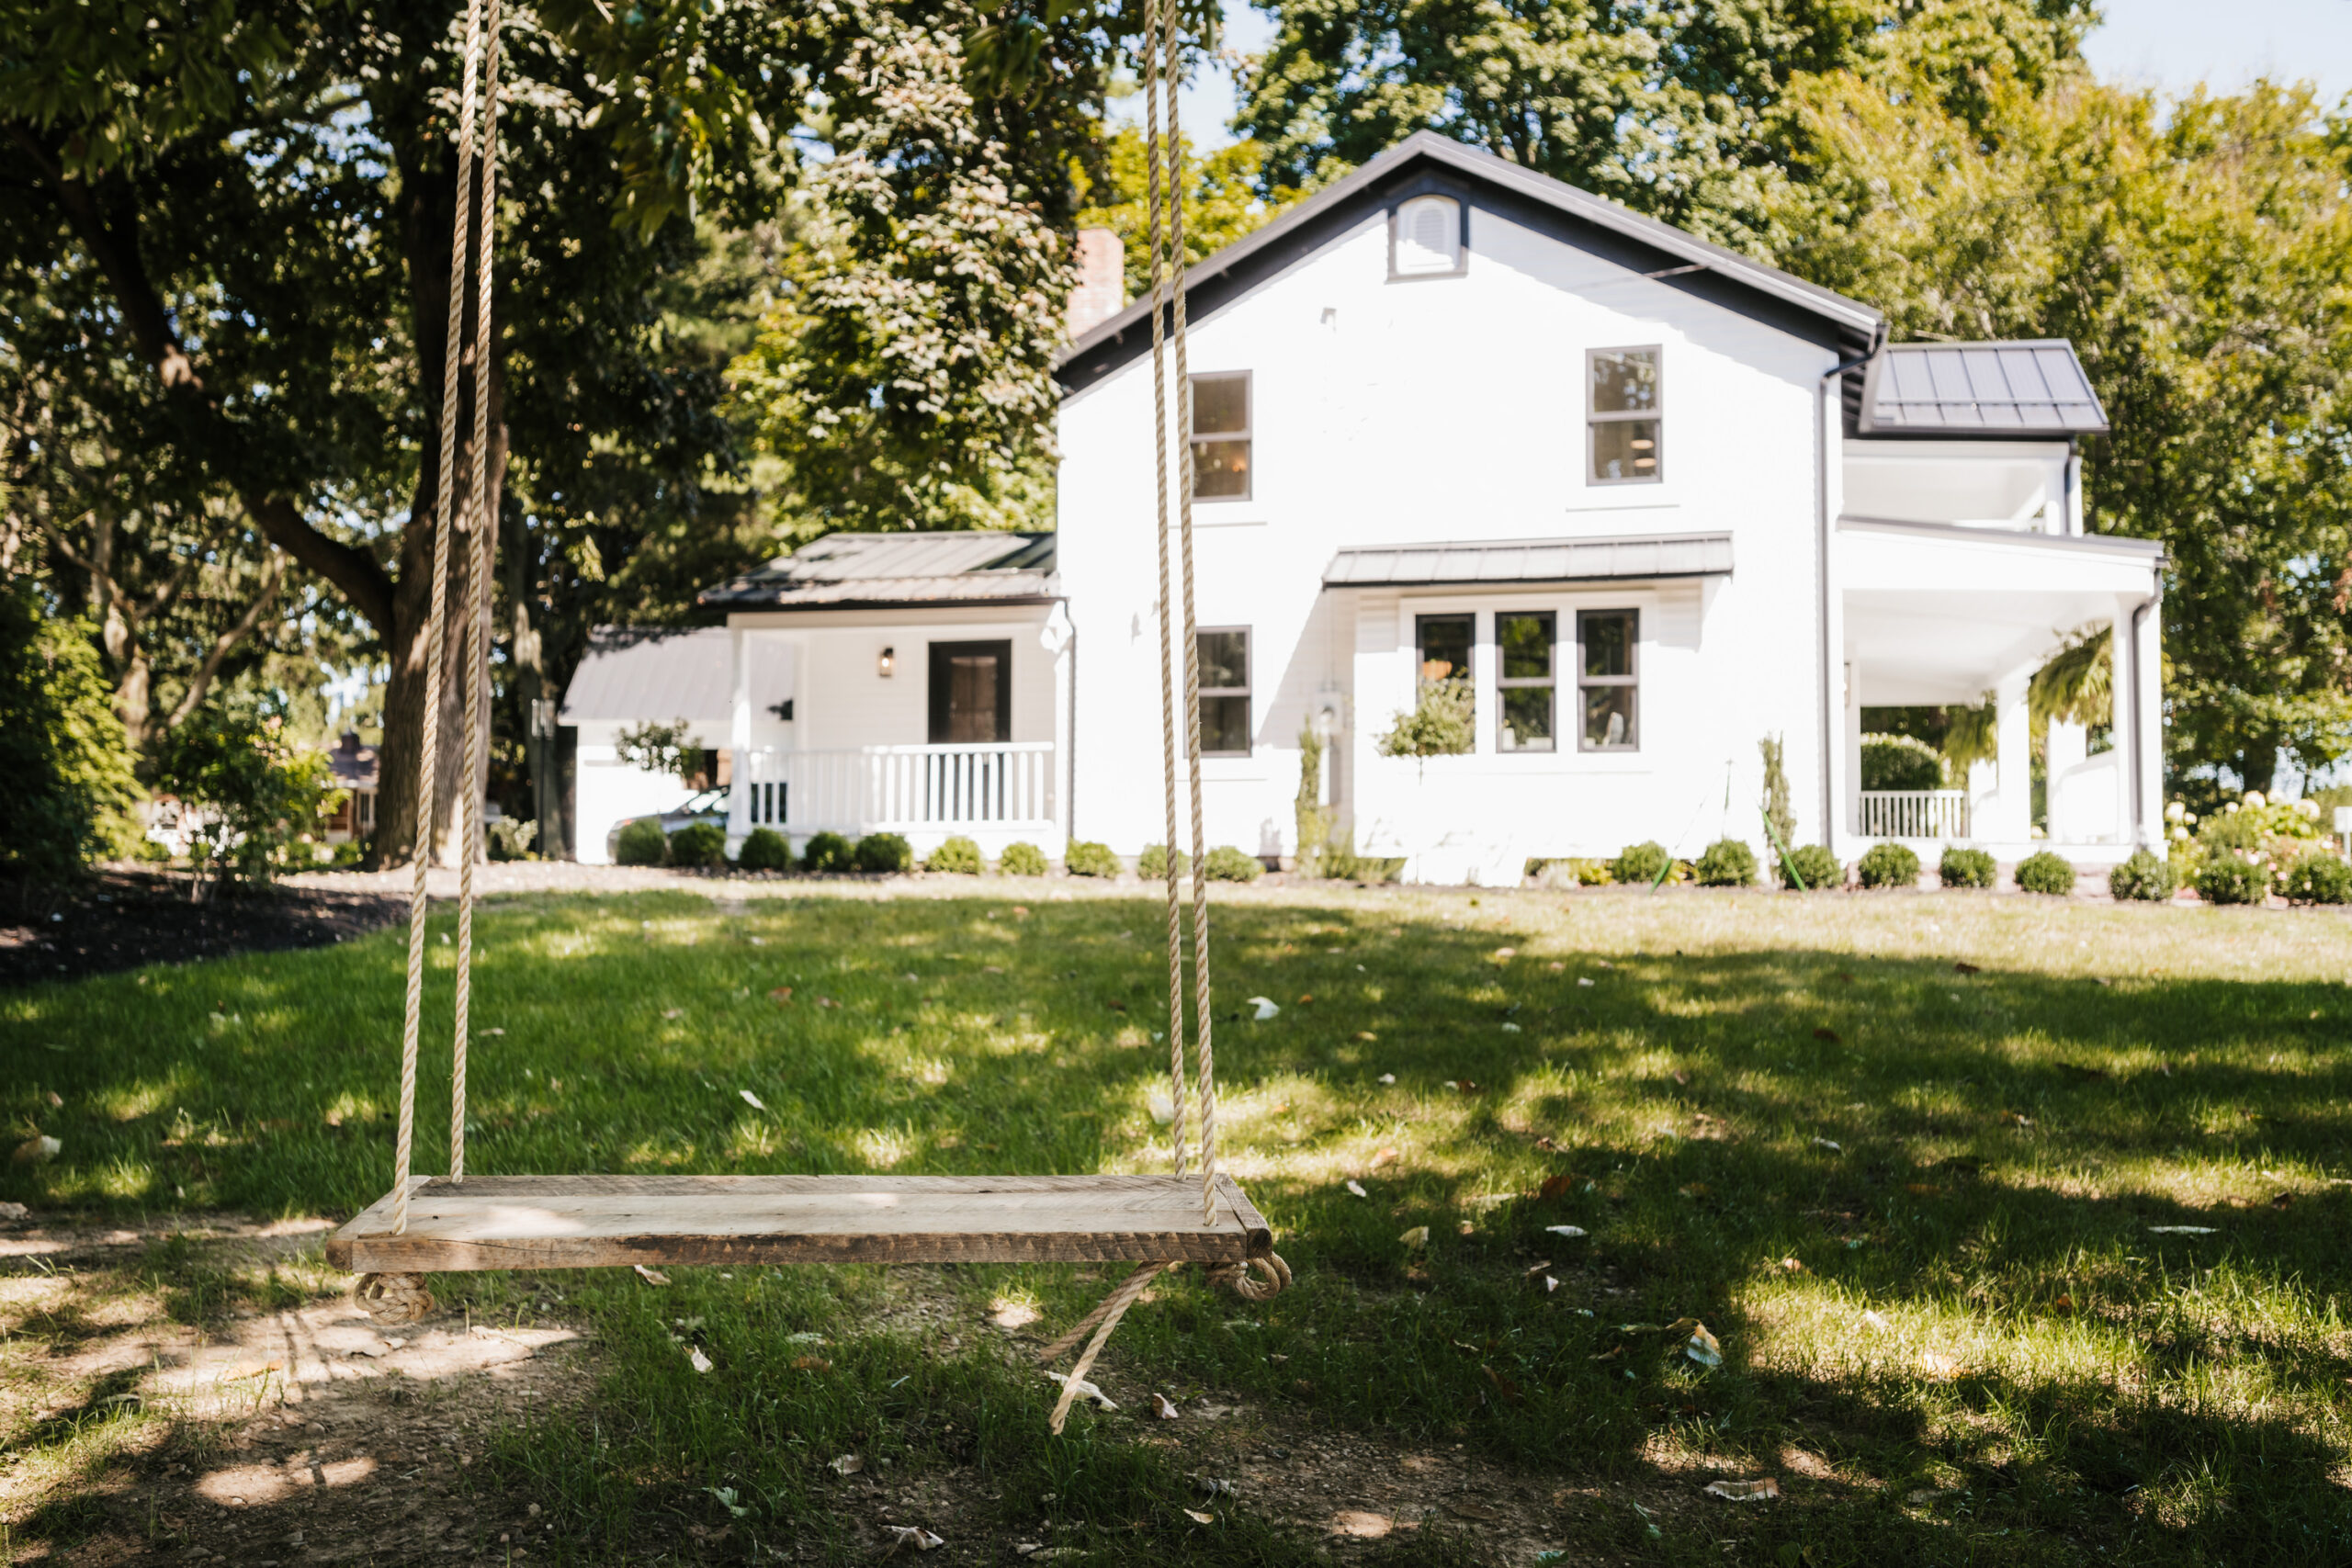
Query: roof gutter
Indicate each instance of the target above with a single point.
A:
(1821, 568)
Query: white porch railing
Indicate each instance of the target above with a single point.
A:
(1915, 814)
(902, 789)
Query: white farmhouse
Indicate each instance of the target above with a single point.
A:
(1653, 501)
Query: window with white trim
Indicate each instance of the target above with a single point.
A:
(1608, 679)
(1225, 691)
(1221, 436)
(1425, 238)
(1524, 678)
(1624, 430)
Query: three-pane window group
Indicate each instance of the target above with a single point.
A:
(1528, 657)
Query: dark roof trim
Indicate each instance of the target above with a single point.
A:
(2148, 550)
(1426, 162)
(1513, 562)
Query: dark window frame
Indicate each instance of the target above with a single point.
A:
(1247, 435)
(1631, 679)
(1549, 683)
(1461, 236)
(1469, 674)
(1595, 418)
(938, 661)
(1245, 691)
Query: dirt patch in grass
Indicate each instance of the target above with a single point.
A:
(123, 920)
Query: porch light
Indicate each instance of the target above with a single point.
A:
(888, 661)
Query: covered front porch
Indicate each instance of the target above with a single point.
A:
(1942, 616)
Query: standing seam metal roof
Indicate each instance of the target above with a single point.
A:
(898, 569)
(653, 673)
(2033, 387)
(1530, 561)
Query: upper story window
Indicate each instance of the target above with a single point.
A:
(1425, 238)
(1623, 416)
(1221, 436)
(1224, 692)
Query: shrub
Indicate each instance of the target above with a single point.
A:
(883, 852)
(1341, 863)
(1225, 864)
(826, 851)
(699, 844)
(1887, 865)
(259, 801)
(511, 838)
(1639, 863)
(1901, 762)
(2143, 878)
(69, 796)
(1086, 858)
(1310, 817)
(640, 843)
(2317, 878)
(1727, 862)
(1152, 864)
(1443, 723)
(1818, 867)
(1024, 860)
(2232, 878)
(959, 855)
(2046, 872)
(765, 849)
(1967, 868)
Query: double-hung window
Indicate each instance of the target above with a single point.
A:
(1444, 643)
(1624, 431)
(1221, 436)
(1608, 642)
(1224, 692)
(1523, 662)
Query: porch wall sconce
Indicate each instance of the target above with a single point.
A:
(887, 663)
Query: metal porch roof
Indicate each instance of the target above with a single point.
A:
(653, 673)
(2024, 389)
(843, 569)
(1530, 561)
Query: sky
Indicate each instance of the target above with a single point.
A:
(2170, 44)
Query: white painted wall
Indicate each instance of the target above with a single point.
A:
(607, 792)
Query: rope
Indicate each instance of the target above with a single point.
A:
(477, 562)
(1110, 1311)
(1062, 1346)
(429, 756)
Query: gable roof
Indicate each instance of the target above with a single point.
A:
(2033, 387)
(653, 672)
(1680, 259)
(844, 571)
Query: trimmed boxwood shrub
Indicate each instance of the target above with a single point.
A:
(2143, 878)
(1967, 868)
(1887, 865)
(1639, 863)
(2046, 872)
(826, 851)
(959, 855)
(1024, 860)
(640, 843)
(883, 852)
(1901, 762)
(2317, 878)
(1086, 858)
(700, 844)
(1225, 864)
(2232, 878)
(765, 849)
(1813, 864)
(1152, 864)
(1727, 862)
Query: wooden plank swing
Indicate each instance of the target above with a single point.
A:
(430, 1225)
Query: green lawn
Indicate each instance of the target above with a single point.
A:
(1913, 1201)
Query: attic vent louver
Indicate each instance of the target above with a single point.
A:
(1426, 238)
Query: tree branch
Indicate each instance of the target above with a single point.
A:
(201, 682)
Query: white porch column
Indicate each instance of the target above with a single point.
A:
(2148, 724)
(2009, 815)
(738, 737)
(1852, 726)
(1059, 638)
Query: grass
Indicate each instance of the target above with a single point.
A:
(1913, 1201)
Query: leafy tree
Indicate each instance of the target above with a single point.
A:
(1227, 197)
(70, 794)
(660, 748)
(257, 798)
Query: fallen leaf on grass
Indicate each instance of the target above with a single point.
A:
(1761, 1491)
(1963, 966)
(915, 1536)
(1388, 1078)
(751, 1100)
(1164, 1408)
(1556, 1186)
(1922, 1189)
(1571, 1232)
(702, 1363)
(650, 1276)
(1306, 997)
(1463, 1509)
(1791, 1266)
(1503, 1385)
(1584, 979)
(1362, 1526)
(1831, 1145)
(1266, 1006)
(673, 1013)
(846, 1464)
(39, 1149)
(827, 1002)
(1386, 1156)
(1357, 1187)
(811, 1364)
(1085, 1390)
(2181, 1230)
(780, 995)
(1418, 1236)
(1828, 1035)
(1198, 1517)
(1940, 1367)
(1366, 1035)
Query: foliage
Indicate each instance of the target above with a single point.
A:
(2045, 871)
(1900, 761)
(765, 849)
(826, 852)
(1311, 818)
(69, 796)
(2144, 878)
(660, 748)
(258, 801)
(1341, 863)
(2256, 822)
(2317, 878)
(2231, 877)
(1443, 723)
(1727, 862)
(1084, 857)
(641, 842)
(1776, 810)
(510, 838)
(883, 852)
(957, 854)
(1639, 864)
(1967, 868)
(1152, 864)
(1226, 199)
(1023, 859)
(1811, 866)
(1887, 865)
(1227, 864)
(699, 844)
(1970, 735)
(2076, 684)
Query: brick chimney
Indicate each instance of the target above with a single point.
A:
(1102, 291)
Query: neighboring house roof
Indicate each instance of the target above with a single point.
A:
(2030, 388)
(1427, 160)
(850, 570)
(1530, 561)
(653, 674)
(354, 764)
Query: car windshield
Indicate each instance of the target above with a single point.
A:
(706, 801)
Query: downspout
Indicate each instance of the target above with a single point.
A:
(1821, 564)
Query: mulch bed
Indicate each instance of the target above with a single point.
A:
(122, 919)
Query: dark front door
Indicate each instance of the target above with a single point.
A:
(971, 693)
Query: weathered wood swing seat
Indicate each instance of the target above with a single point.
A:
(588, 1222)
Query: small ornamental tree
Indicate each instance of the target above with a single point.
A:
(256, 797)
(1443, 722)
(660, 748)
(69, 794)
